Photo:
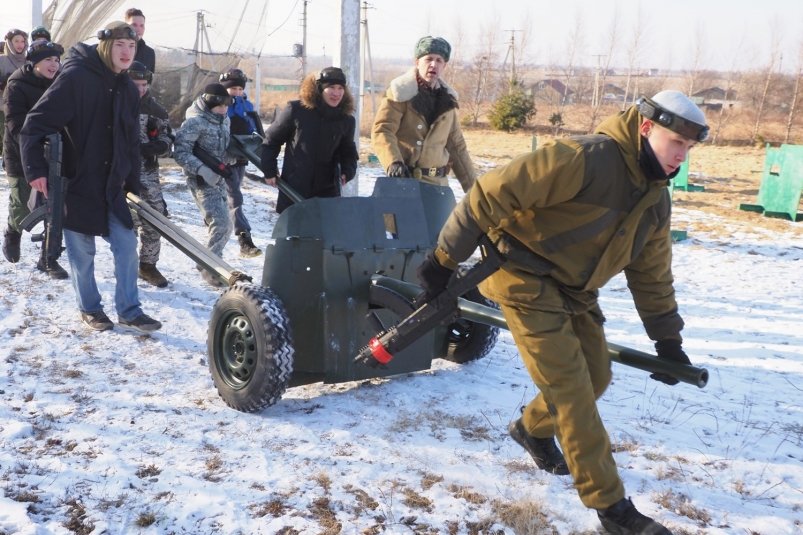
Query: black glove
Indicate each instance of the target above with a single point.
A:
(152, 128)
(398, 169)
(669, 349)
(433, 277)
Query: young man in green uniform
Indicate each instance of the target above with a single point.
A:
(569, 217)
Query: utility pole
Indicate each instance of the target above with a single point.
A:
(304, 41)
(365, 53)
(347, 57)
(36, 13)
(595, 97)
(200, 35)
(511, 51)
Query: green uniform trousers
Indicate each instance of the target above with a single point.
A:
(567, 357)
(19, 192)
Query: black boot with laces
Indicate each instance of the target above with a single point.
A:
(622, 518)
(11, 245)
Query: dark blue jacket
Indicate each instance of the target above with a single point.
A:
(99, 113)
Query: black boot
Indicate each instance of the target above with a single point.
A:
(149, 273)
(247, 247)
(51, 267)
(11, 245)
(622, 518)
(544, 451)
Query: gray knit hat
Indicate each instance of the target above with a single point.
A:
(433, 45)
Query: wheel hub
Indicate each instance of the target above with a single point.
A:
(238, 351)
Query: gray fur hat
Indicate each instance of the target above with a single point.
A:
(433, 45)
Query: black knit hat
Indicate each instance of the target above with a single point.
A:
(41, 49)
(40, 32)
(233, 78)
(215, 95)
(433, 45)
(331, 76)
(138, 71)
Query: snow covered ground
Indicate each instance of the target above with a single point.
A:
(118, 433)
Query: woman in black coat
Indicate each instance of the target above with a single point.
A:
(318, 133)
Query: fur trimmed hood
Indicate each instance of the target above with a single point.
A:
(405, 87)
(311, 98)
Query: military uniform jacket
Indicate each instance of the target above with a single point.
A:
(154, 141)
(402, 134)
(98, 110)
(210, 130)
(582, 210)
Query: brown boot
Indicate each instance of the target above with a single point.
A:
(149, 273)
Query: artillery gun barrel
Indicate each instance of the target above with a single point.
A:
(634, 358)
(183, 241)
(246, 146)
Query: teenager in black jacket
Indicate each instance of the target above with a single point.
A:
(97, 106)
(25, 87)
(320, 155)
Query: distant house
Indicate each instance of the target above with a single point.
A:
(713, 98)
(612, 93)
(281, 84)
(553, 91)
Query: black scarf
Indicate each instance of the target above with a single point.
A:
(649, 163)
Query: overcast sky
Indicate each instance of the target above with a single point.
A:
(678, 34)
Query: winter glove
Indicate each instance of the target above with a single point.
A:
(669, 349)
(398, 169)
(433, 277)
(153, 148)
(152, 128)
(209, 176)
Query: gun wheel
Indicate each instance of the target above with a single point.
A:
(468, 341)
(250, 348)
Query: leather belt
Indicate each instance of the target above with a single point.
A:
(430, 172)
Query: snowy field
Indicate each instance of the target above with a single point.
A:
(115, 433)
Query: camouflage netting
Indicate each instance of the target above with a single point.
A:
(72, 21)
(176, 83)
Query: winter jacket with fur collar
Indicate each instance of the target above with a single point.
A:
(319, 145)
(401, 132)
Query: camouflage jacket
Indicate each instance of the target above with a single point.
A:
(210, 130)
(154, 133)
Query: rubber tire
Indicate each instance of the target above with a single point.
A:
(468, 341)
(250, 348)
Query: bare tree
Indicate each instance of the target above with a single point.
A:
(634, 57)
(574, 44)
(775, 45)
(698, 45)
(477, 82)
(610, 44)
(793, 105)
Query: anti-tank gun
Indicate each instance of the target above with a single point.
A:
(339, 273)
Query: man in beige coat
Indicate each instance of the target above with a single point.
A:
(416, 131)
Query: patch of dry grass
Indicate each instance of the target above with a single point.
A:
(681, 504)
(525, 517)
